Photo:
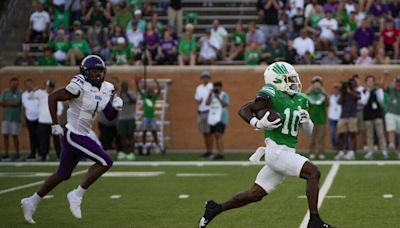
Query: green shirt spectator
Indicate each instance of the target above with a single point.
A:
(59, 45)
(187, 45)
(252, 56)
(239, 37)
(81, 45)
(275, 51)
(122, 54)
(123, 16)
(149, 106)
(47, 59)
(61, 16)
(12, 109)
(393, 100)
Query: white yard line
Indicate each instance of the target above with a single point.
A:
(4, 191)
(197, 163)
(323, 191)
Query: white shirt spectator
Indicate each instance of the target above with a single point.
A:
(31, 106)
(364, 60)
(219, 34)
(379, 95)
(39, 21)
(44, 113)
(75, 5)
(202, 92)
(257, 37)
(350, 7)
(303, 45)
(328, 26)
(206, 50)
(134, 37)
(335, 109)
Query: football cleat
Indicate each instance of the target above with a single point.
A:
(350, 155)
(212, 210)
(339, 156)
(29, 209)
(75, 204)
(369, 156)
(316, 222)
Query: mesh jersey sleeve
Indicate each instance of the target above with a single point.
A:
(76, 85)
(266, 92)
(304, 101)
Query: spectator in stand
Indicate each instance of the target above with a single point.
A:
(38, 25)
(373, 117)
(98, 40)
(115, 34)
(348, 29)
(390, 38)
(318, 100)
(379, 8)
(10, 100)
(381, 57)
(254, 35)
(218, 100)
(121, 54)
(187, 49)
(328, 26)
(24, 59)
(303, 44)
(330, 58)
(394, 7)
(97, 13)
(76, 25)
(298, 22)
(60, 16)
(74, 6)
(79, 49)
(347, 57)
(364, 58)
(334, 112)
(60, 47)
(268, 11)
(238, 40)
(157, 25)
(31, 108)
(341, 15)
(330, 5)
(364, 36)
(175, 14)
(123, 16)
(253, 55)
(307, 59)
(392, 117)
(135, 39)
(291, 53)
(350, 6)
(218, 32)
(151, 43)
(275, 51)
(347, 124)
(126, 124)
(141, 23)
(47, 59)
(168, 49)
(208, 49)
(44, 121)
(315, 17)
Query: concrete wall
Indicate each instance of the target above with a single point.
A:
(241, 82)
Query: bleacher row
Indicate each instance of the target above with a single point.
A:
(201, 13)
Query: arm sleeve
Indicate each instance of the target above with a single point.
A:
(380, 95)
(268, 90)
(75, 87)
(109, 112)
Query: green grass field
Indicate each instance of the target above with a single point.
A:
(355, 198)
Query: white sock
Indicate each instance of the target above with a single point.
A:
(79, 191)
(35, 199)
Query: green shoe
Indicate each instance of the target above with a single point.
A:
(130, 157)
(121, 156)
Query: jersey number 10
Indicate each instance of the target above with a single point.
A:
(295, 118)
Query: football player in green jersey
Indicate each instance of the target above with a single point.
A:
(280, 93)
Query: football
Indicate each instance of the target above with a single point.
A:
(272, 116)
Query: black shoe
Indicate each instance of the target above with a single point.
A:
(212, 210)
(217, 157)
(5, 158)
(206, 154)
(316, 222)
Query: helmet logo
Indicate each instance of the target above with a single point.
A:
(277, 80)
(280, 69)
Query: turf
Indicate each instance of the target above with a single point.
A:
(153, 201)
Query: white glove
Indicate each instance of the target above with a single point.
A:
(117, 103)
(264, 123)
(56, 129)
(304, 116)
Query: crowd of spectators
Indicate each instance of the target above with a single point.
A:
(299, 32)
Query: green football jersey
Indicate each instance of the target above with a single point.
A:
(288, 108)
